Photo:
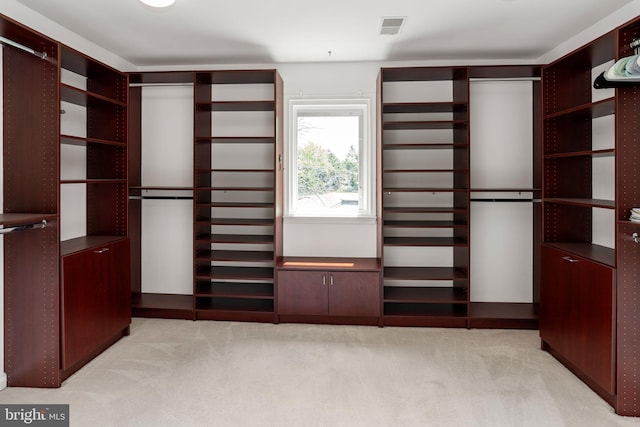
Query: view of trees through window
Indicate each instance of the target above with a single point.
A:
(328, 163)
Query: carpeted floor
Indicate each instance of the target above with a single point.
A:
(185, 373)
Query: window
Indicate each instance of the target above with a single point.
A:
(330, 159)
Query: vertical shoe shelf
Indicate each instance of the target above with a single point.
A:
(237, 193)
(425, 201)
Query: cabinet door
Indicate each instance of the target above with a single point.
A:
(590, 335)
(577, 313)
(302, 293)
(354, 293)
(81, 306)
(116, 275)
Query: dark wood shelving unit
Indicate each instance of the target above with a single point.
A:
(415, 209)
(590, 292)
(416, 221)
(237, 203)
(78, 283)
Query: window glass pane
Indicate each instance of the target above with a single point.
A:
(328, 174)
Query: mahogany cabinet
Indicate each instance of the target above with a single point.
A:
(65, 157)
(331, 290)
(95, 299)
(577, 308)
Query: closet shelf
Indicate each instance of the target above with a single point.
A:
(234, 290)
(591, 110)
(234, 273)
(424, 107)
(424, 241)
(23, 219)
(93, 181)
(208, 189)
(235, 221)
(235, 205)
(84, 141)
(425, 171)
(233, 170)
(597, 253)
(235, 139)
(424, 124)
(584, 153)
(424, 273)
(592, 203)
(423, 190)
(236, 238)
(423, 224)
(236, 106)
(234, 308)
(86, 98)
(424, 295)
(423, 146)
(425, 209)
(80, 244)
(235, 256)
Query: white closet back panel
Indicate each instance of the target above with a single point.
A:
(501, 252)
(167, 246)
(501, 134)
(167, 136)
(501, 114)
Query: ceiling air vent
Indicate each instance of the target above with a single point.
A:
(391, 25)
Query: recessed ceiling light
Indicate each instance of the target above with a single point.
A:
(158, 3)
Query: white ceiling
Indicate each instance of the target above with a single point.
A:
(274, 31)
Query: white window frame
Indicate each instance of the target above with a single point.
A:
(365, 154)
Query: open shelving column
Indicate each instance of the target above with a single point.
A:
(509, 189)
(237, 193)
(145, 303)
(425, 207)
(94, 157)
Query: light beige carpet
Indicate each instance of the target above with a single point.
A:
(185, 373)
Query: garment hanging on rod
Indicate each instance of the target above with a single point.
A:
(625, 72)
(9, 42)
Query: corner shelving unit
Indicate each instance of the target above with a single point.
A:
(589, 293)
(237, 197)
(425, 208)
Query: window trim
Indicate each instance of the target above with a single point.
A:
(366, 156)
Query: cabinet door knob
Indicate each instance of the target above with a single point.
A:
(324, 279)
(331, 279)
(101, 251)
(568, 258)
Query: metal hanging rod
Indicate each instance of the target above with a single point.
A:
(41, 224)
(508, 200)
(158, 84)
(9, 42)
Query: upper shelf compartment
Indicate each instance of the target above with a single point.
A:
(102, 82)
(568, 81)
